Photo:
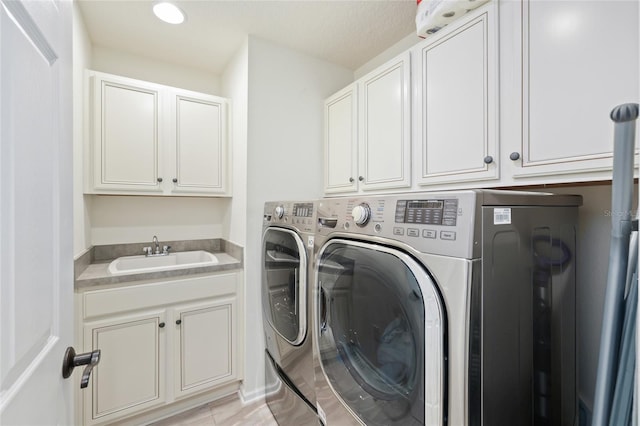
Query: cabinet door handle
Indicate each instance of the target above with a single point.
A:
(159, 179)
(161, 325)
(175, 180)
(488, 159)
(72, 360)
(360, 178)
(178, 322)
(514, 156)
(351, 179)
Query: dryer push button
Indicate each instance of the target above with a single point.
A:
(430, 233)
(447, 235)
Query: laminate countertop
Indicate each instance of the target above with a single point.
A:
(92, 268)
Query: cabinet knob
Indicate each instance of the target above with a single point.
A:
(175, 180)
(159, 179)
(351, 179)
(178, 322)
(488, 159)
(161, 325)
(515, 156)
(360, 178)
(72, 360)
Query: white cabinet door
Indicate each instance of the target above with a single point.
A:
(205, 348)
(385, 126)
(199, 156)
(572, 77)
(456, 81)
(130, 376)
(341, 141)
(126, 134)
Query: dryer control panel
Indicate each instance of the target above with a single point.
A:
(427, 212)
(438, 222)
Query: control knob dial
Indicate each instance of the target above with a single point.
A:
(278, 212)
(361, 214)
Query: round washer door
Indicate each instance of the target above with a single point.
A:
(284, 283)
(381, 334)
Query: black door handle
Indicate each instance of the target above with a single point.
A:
(71, 360)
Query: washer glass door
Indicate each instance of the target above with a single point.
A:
(284, 270)
(381, 334)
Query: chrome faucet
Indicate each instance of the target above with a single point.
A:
(155, 251)
(156, 244)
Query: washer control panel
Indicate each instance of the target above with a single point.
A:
(299, 215)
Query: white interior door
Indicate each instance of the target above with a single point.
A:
(36, 259)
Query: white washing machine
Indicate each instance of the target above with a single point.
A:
(287, 256)
(446, 308)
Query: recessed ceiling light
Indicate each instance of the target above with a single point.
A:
(168, 12)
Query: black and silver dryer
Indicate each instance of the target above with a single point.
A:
(446, 308)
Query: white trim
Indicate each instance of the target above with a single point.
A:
(251, 396)
(9, 394)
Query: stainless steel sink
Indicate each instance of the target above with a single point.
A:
(178, 260)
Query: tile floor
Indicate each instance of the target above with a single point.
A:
(226, 412)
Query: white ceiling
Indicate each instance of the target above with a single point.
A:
(347, 33)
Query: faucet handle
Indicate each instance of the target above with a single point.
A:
(147, 251)
(165, 249)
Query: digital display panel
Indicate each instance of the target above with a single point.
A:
(427, 212)
(425, 204)
(303, 210)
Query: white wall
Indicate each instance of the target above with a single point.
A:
(167, 73)
(235, 86)
(81, 204)
(127, 219)
(284, 159)
(592, 266)
(398, 48)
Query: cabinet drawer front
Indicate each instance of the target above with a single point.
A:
(135, 297)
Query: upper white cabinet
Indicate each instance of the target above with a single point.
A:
(569, 64)
(155, 140)
(385, 126)
(456, 101)
(200, 154)
(368, 131)
(341, 141)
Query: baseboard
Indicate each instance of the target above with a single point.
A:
(251, 396)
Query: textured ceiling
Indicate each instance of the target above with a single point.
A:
(347, 33)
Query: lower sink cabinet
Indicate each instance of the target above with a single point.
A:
(178, 344)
